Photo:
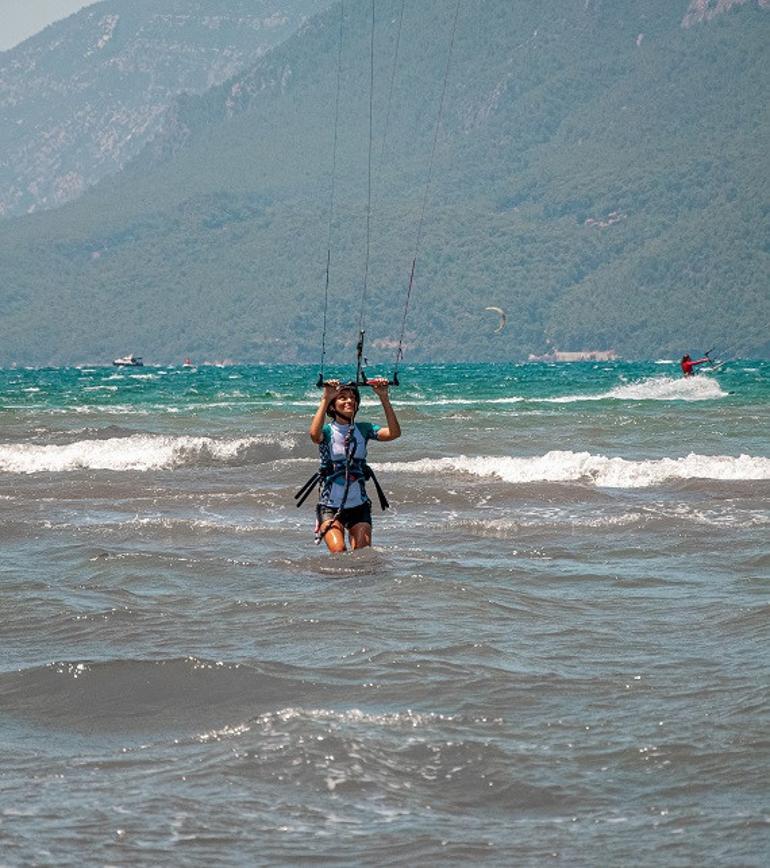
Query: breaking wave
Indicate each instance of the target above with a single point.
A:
(141, 452)
(698, 388)
(599, 470)
(661, 388)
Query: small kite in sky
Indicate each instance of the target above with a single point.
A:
(501, 313)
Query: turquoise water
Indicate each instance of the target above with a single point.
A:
(556, 647)
(207, 385)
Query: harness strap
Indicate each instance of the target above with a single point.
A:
(369, 474)
(302, 495)
(366, 471)
(304, 492)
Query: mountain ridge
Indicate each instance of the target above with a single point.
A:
(81, 98)
(602, 189)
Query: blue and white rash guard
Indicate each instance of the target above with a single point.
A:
(332, 449)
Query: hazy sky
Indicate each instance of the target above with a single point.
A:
(21, 18)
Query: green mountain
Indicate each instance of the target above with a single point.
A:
(84, 96)
(600, 174)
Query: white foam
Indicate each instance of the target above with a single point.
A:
(137, 452)
(698, 388)
(599, 470)
(399, 719)
(661, 388)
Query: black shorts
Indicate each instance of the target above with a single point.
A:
(348, 517)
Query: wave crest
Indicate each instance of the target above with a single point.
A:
(599, 470)
(141, 452)
(700, 388)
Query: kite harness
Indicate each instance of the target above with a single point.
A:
(351, 468)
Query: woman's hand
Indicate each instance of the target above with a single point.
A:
(329, 394)
(331, 387)
(392, 429)
(379, 386)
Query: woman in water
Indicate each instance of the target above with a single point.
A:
(343, 503)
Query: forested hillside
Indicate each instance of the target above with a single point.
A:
(600, 174)
(81, 98)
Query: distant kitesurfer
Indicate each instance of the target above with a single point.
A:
(688, 364)
(343, 504)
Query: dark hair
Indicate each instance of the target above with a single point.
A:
(345, 387)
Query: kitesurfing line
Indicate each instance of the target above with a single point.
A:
(420, 224)
(731, 350)
(361, 377)
(392, 82)
(332, 193)
(368, 180)
(356, 468)
(360, 373)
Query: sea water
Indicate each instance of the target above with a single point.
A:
(556, 651)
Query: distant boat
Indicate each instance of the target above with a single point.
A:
(129, 362)
(188, 363)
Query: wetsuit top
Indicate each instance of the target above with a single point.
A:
(332, 449)
(689, 364)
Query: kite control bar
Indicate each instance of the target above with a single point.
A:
(361, 378)
(320, 382)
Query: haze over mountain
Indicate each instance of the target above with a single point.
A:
(82, 97)
(601, 174)
(22, 20)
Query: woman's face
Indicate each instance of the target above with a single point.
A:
(345, 405)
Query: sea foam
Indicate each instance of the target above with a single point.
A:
(139, 452)
(698, 388)
(599, 470)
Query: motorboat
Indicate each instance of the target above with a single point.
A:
(129, 362)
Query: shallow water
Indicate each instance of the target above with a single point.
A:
(556, 649)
